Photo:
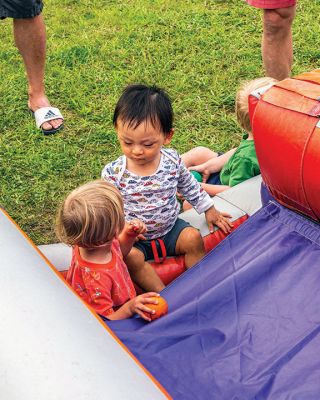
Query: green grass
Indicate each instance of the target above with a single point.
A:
(199, 51)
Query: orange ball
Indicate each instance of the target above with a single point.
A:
(160, 309)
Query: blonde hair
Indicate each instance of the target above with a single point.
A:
(91, 215)
(242, 106)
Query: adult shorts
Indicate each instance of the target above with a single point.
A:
(20, 8)
(272, 4)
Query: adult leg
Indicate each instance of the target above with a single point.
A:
(142, 272)
(277, 50)
(30, 39)
(190, 243)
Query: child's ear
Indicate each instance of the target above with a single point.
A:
(168, 137)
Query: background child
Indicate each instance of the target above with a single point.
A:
(219, 172)
(148, 177)
(91, 220)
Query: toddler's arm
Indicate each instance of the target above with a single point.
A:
(132, 231)
(136, 306)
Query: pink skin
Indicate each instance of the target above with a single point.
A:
(137, 228)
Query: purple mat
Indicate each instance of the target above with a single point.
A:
(244, 323)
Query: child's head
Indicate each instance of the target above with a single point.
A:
(242, 105)
(91, 215)
(143, 119)
(144, 104)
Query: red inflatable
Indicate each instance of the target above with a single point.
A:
(172, 267)
(286, 128)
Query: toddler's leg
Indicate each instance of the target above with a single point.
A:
(190, 243)
(142, 272)
(197, 155)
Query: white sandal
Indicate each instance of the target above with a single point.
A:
(46, 114)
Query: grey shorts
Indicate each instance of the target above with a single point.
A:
(18, 9)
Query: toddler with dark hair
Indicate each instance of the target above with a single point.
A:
(149, 176)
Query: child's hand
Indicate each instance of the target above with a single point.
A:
(138, 306)
(136, 228)
(207, 168)
(221, 219)
(202, 170)
(180, 196)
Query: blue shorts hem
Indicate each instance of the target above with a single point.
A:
(169, 240)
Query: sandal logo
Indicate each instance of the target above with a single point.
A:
(50, 114)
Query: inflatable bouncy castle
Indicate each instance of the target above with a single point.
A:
(243, 324)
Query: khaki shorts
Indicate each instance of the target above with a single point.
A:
(20, 8)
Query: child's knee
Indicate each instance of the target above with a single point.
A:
(200, 149)
(190, 239)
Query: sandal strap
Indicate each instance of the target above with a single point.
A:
(45, 114)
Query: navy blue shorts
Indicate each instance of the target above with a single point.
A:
(18, 9)
(169, 240)
(214, 179)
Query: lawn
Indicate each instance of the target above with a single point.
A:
(199, 51)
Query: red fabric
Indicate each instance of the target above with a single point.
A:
(312, 76)
(271, 4)
(105, 287)
(172, 267)
(286, 136)
(155, 250)
(212, 240)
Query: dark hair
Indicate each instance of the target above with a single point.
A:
(140, 103)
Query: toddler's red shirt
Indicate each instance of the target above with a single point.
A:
(105, 287)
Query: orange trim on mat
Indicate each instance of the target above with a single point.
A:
(304, 88)
(295, 102)
(153, 379)
(312, 76)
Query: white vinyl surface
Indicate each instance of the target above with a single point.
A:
(52, 347)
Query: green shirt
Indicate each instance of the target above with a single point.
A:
(243, 164)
